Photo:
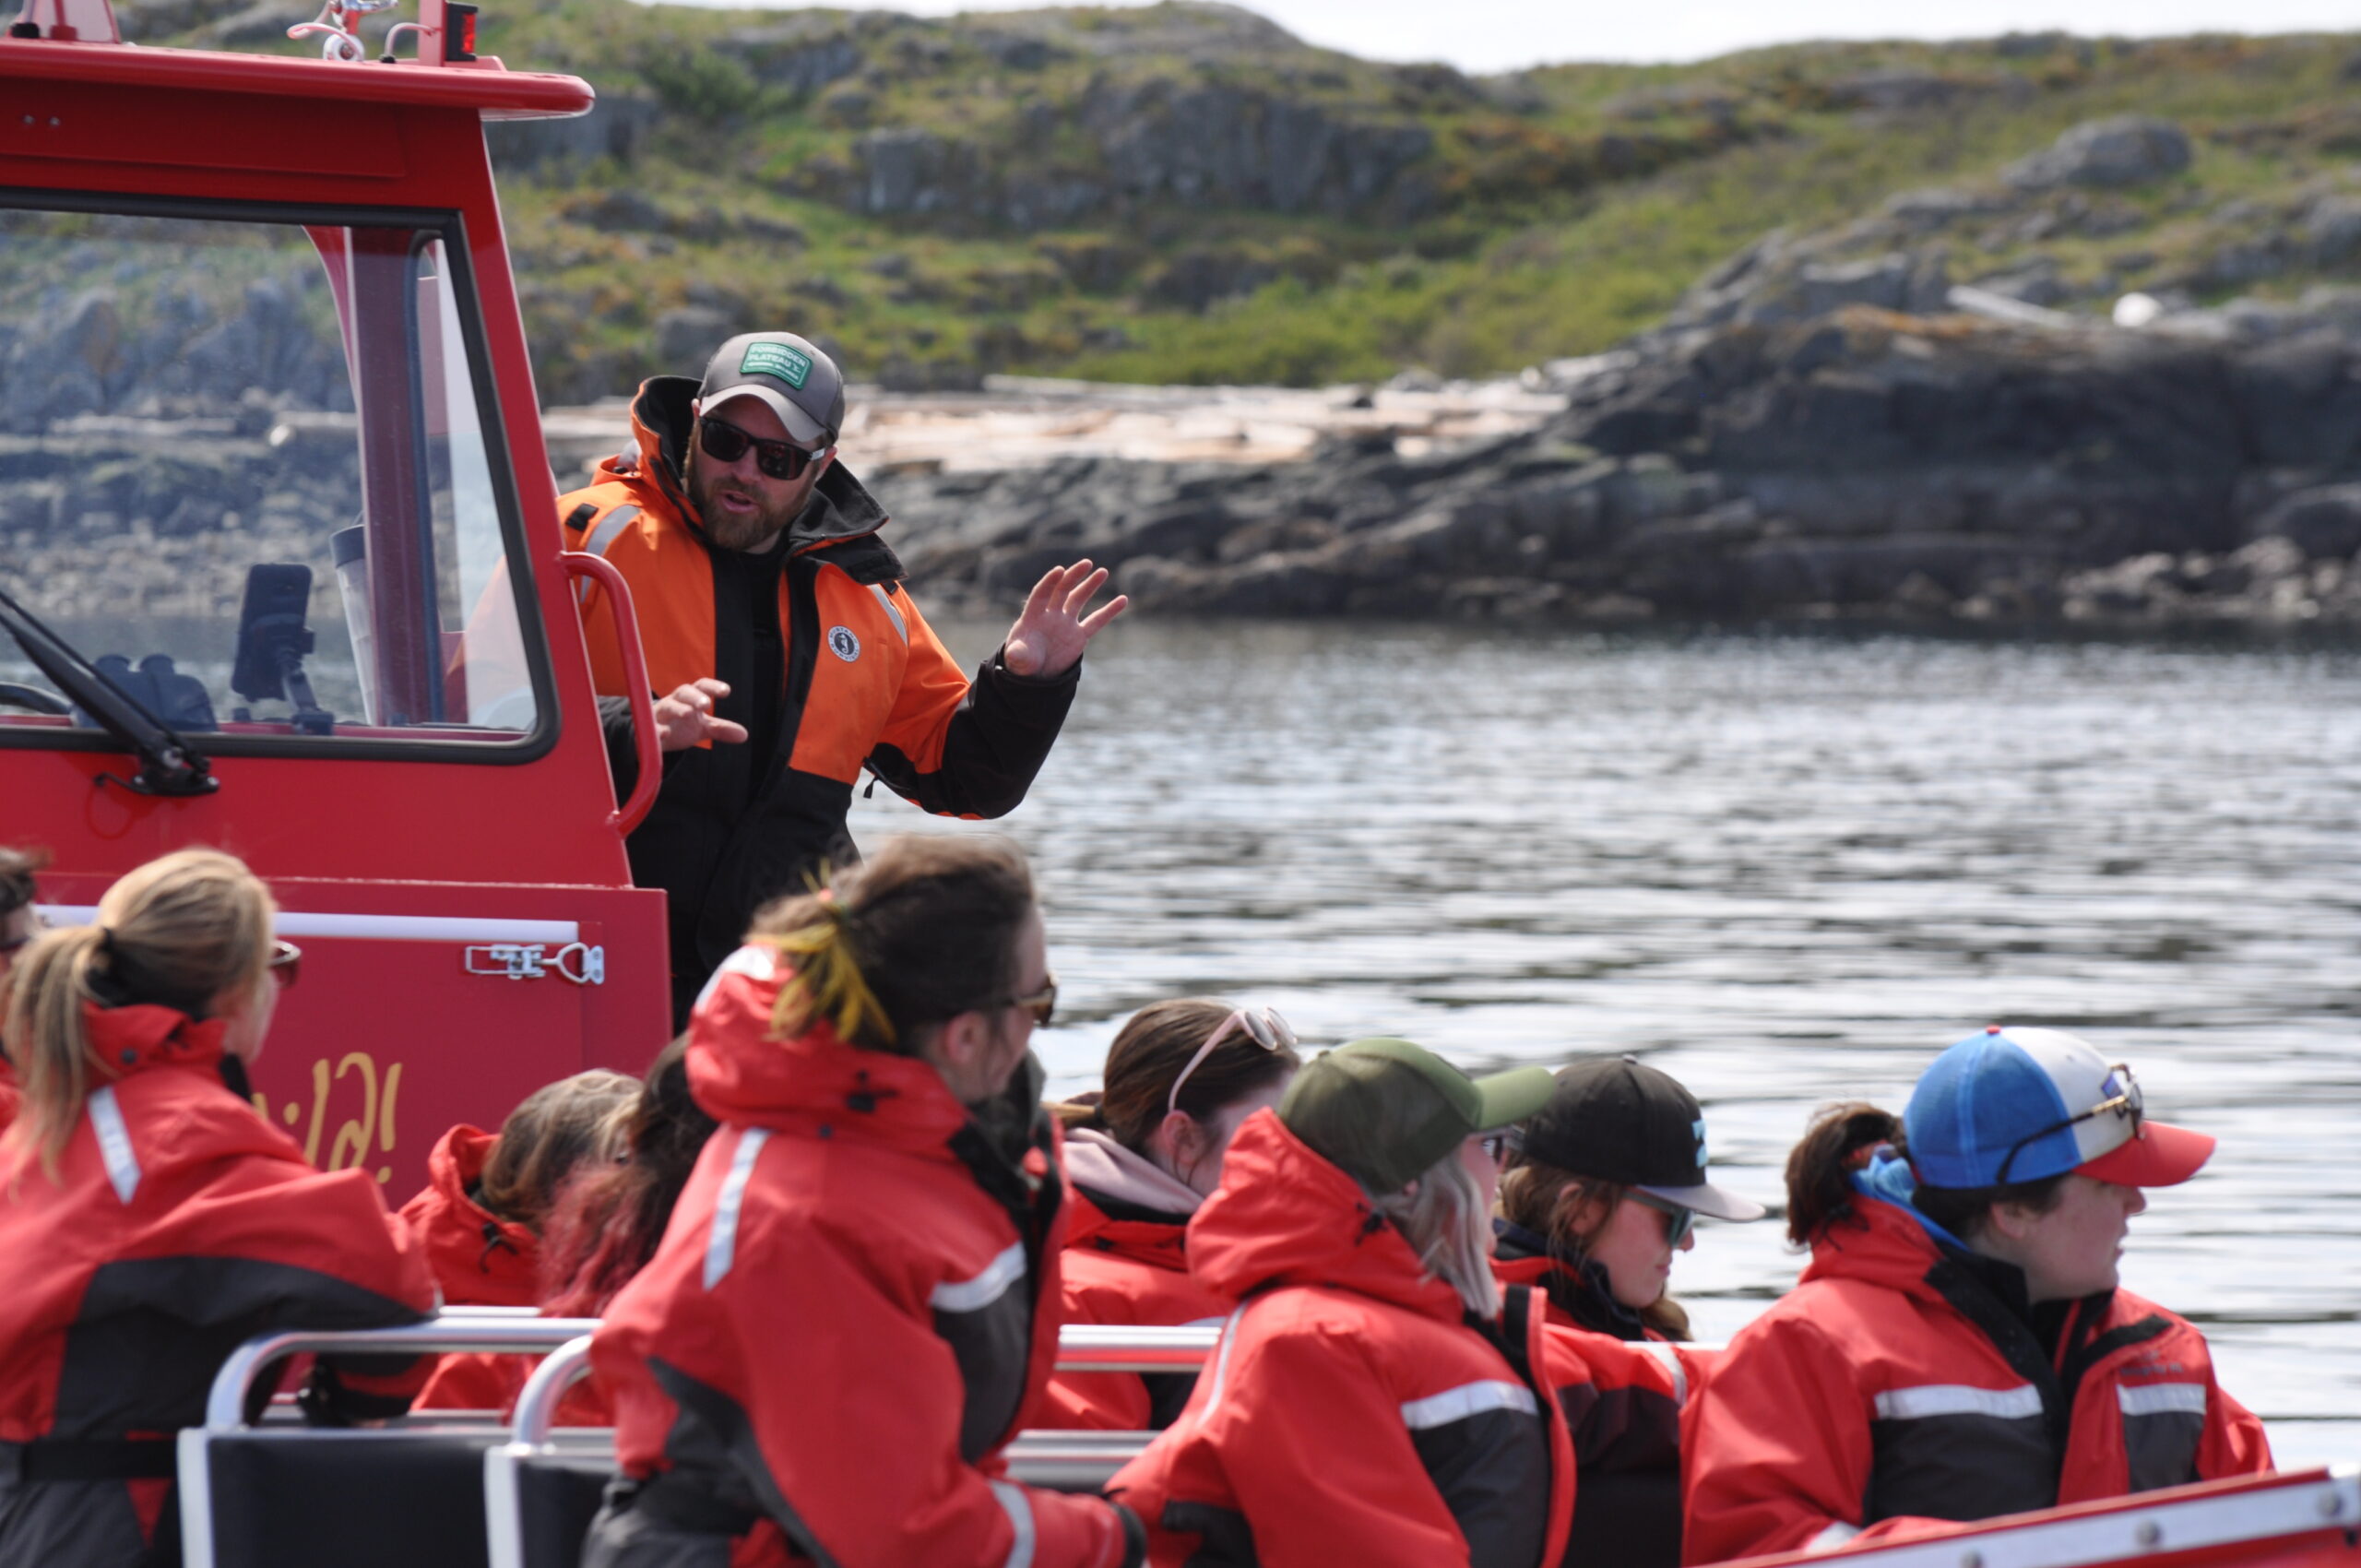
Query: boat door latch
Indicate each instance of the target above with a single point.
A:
(576, 961)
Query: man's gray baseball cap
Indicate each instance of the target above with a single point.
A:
(790, 374)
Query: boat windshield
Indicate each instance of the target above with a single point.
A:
(251, 468)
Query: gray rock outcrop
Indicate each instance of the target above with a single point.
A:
(2127, 149)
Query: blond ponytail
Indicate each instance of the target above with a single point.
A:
(178, 932)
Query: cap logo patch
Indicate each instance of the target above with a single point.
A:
(1698, 1127)
(791, 365)
(843, 643)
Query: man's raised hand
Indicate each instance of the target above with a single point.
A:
(685, 716)
(1052, 632)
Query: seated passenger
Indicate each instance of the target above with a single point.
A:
(857, 1299)
(1958, 1347)
(1603, 1189)
(152, 1221)
(1179, 1078)
(480, 1216)
(20, 924)
(603, 1229)
(1370, 1403)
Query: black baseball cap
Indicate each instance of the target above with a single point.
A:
(1383, 1110)
(1619, 1120)
(791, 375)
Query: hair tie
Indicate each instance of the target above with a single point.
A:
(106, 940)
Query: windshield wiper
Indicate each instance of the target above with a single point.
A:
(168, 764)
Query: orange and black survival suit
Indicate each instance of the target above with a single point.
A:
(182, 1225)
(830, 667)
(1352, 1411)
(853, 1310)
(1905, 1384)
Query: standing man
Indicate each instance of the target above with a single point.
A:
(784, 653)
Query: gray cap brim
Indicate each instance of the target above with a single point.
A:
(800, 425)
(1709, 1200)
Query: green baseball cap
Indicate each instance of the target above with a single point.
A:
(1383, 1110)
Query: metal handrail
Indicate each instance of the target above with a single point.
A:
(537, 1403)
(1104, 1347)
(225, 1406)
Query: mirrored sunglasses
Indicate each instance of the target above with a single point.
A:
(1678, 1221)
(1042, 1003)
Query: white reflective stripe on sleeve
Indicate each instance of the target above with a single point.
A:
(1958, 1399)
(115, 1142)
(1019, 1509)
(1673, 1364)
(721, 1245)
(610, 528)
(1221, 1363)
(1829, 1539)
(974, 1295)
(2162, 1398)
(1468, 1399)
(885, 597)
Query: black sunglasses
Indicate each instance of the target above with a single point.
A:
(2125, 1102)
(1042, 1003)
(724, 442)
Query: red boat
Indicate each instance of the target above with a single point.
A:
(287, 577)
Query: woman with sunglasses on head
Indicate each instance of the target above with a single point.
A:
(1142, 1156)
(154, 1221)
(1602, 1192)
(1373, 1400)
(855, 1302)
(1959, 1346)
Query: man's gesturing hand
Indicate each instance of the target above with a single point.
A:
(685, 717)
(1052, 631)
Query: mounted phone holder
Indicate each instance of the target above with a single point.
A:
(272, 641)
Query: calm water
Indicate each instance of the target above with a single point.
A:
(1784, 870)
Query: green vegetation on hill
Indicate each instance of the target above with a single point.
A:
(1185, 193)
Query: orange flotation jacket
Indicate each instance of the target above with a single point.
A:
(1351, 1413)
(854, 1243)
(1126, 1262)
(479, 1260)
(1895, 1390)
(822, 647)
(180, 1225)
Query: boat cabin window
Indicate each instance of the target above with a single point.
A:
(252, 473)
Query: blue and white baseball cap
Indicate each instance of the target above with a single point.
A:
(2014, 1104)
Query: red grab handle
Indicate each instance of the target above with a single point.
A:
(581, 563)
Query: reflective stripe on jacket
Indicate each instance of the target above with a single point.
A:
(181, 1226)
(863, 681)
(1891, 1391)
(1350, 1413)
(846, 1321)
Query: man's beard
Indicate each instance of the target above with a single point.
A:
(735, 532)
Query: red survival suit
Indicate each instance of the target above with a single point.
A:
(851, 1310)
(1893, 1390)
(479, 1260)
(831, 669)
(1623, 1400)
(1351, 1413)
(1126, 1262)
(183, 1225)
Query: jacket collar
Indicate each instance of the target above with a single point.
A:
(453, 1168)
(840, 506)
(1576, 1286)
(140, 1036)
(1284, 1216)
(1123, 1183)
